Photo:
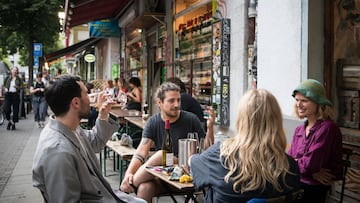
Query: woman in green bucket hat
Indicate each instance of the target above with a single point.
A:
(317, 143)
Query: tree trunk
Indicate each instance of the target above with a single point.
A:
(31, 54)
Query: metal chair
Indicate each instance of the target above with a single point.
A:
(346, 163)
(293, 197)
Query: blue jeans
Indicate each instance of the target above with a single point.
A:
(39, 107)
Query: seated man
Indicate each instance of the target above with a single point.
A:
(181, 122)
(65, 167)
(188, 103)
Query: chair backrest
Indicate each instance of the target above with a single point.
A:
(347, 152)
(293, 197)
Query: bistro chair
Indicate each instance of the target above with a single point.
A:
(347, 152)
(293, 197)
(185, 195)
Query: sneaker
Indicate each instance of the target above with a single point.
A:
(39, 124)
(13, 126)
(42, 124)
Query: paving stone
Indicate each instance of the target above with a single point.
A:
(12, 143)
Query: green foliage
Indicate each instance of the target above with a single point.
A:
(26, 21)
(23, 22)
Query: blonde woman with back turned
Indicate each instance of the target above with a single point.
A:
(253, 163)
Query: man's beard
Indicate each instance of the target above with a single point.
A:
(84, 114)
(171, 114)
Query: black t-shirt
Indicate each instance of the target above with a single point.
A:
(39, 85)
(208, 171)
(187, 122)
(188, 103)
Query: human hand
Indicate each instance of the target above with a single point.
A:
(126, 183)
(104, 105)
(324, 176)
(211, 118)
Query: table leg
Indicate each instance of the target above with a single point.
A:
(190, 196)
(114, 162)
(120, 170)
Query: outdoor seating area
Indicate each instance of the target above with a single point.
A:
(193, 101)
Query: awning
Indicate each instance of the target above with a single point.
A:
(78, 12)
(73, 49)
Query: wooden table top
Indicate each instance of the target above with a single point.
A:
(123, 151)
(138, 121)
(165, 178)
(121, 113)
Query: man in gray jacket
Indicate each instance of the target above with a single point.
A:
(65, 167)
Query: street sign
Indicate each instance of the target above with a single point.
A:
(37, 50)
(89, 58)
(36, 61)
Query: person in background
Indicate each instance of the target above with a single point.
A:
(59, 72)
(22, 112)
(122, 96)
(38, 100)
(253, 163)
(135, 95)
(109, 88)
(116, 87)
(317, 144)
(122, 85)
(188, 103)
(12, 87)
(136, 179)
(93, 112)
(65, 166)
(45, 79)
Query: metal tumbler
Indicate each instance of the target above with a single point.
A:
(187, 147)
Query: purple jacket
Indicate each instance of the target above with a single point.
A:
(322, 149)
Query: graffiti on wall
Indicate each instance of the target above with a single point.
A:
(347, 29)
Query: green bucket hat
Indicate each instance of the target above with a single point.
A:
(313, 90)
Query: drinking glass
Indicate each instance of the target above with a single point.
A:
(202, 145)
(195, 136)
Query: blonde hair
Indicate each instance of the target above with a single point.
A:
(256, 155)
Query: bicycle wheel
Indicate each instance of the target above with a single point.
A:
(2, 117)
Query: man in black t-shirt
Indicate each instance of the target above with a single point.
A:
(181, 122)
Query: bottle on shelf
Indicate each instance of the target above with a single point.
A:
(145, 113)
(145, 109)
(176, 45)
(167, 147)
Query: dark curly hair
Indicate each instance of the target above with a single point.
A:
(135, 81)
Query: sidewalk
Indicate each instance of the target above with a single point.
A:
(17, 149)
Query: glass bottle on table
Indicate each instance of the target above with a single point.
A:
(167, 147)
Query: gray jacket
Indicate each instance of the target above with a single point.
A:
(62, 170)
